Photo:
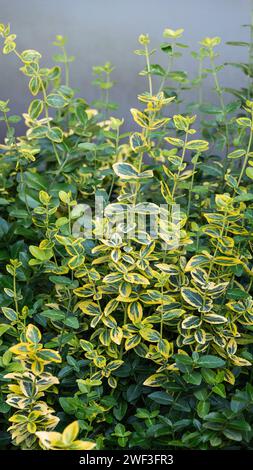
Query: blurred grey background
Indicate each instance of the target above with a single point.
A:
(101, 30)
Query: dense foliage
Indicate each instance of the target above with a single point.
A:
(128, 343)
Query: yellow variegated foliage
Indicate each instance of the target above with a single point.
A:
(155, 289)
(32, 353)
(65, 440)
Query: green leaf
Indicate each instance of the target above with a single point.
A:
(238, 43)
(136, 278)
(37, 132)
(137, 142)
(132, 342)
(49, 355)
(30, 55)
(203, 408)
(161, 397)
(193, 377)
(9, 47)
(210, 362)
(184, 359)
(244, 122)
(33, 334)
(114, 365)
(249, 172)
(10, 313)
(133, 392)
(54, 315)
(90, 146)
(220, 390)
(150, 335)
(72, 322)
(40, 254)
(237, 153)
(197, 145)
(210, 109)
(192, 297)
(81, 114)
(4, 328)
(53, 73)
(55, 134)
(56, 100)
(155, 69)
(125, 171)
(166, 47)
(135, 312)
(70, 433)
(34, 85)
(191, 321)
(233, 435)
(214, 318)
(226, 261)
(197, 260)
(237, 294)
(35, 108)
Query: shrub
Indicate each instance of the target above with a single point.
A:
(139, 335)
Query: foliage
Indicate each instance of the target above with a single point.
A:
(131, 340)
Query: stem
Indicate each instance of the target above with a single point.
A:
(15, 291)
(6, 121)
(247, 154)
(161, 325)
(179, 169)
(69, 217)
(200, 97)
(116, 153)
(47, 116)
(124, 323)
(214, 255)
(56, 154)
(222, 104)
(107, 95)
(168, 70)
(250, 53)
(23, 183)
(149, 72)
(18, 164)
(65, 318)
(45, 104)
(66, 66)
(191, 185)
(137, 184)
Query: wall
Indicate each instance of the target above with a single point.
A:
(100, 30)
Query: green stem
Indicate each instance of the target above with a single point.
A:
(169, 68)
(161, 325)
(250, 54)
(222, 104)
(247, 154)
(69, 219)
(149, 71)
(66, 66)
(200, 97)
(191, 185)
(45, 105)
(116, 154)
(18, 165)
(15, 292)
(215, 252)
(137, 184)
(107, 95)
(179, 169)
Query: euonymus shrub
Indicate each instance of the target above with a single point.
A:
(131, 340)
